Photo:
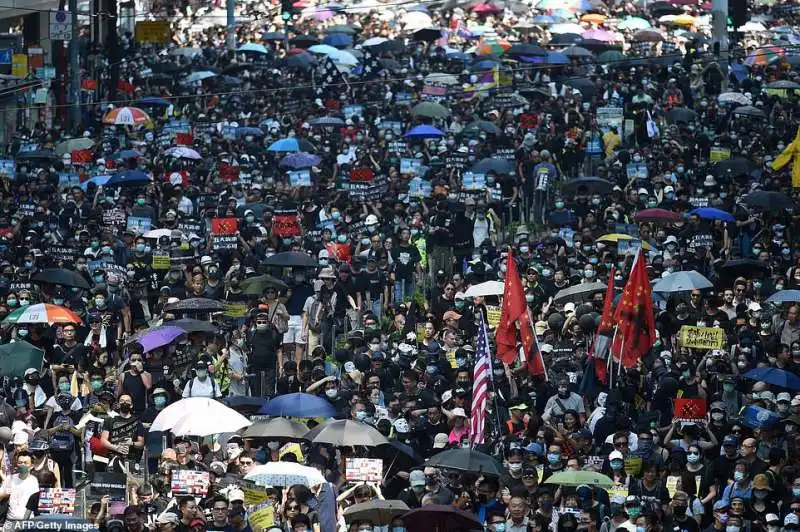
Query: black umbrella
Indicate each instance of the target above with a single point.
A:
(474, 128)
(526, 49)
(578, 293)
(304, 41)
(596, 185)
(596, 45)
(576, 51)
(294, 259)
(378, 512)
(680, 114)
(768, 200)
(747, 268)
(388, 46)
(255, 286)
(659, 9)
(327, 121)
(467, 459)
(257, 208)
(299, 61)
(61, 277)
(440, 518)
(39, 154)
(749, 110)
(498, 166)
(396, 456)
(732, 167)
(166, 68)
(390, 64)
(196, 304)
(565, 39)
(16, 357)
(191, 325)
(585, 86)
(427, 34)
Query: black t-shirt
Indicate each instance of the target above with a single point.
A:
(121, 429)
(372, 283)
(405, 259)
(686, 525)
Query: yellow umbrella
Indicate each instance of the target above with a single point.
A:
(616, 237)
(594, 18)
(685, 20)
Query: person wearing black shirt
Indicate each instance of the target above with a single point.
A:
(374, 286)
(405, 262)
(289, 383)
(123, 435)
(68, 347)
(263, 359)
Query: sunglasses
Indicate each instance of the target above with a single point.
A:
(293, 507)
(620, 443)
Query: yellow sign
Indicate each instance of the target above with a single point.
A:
(253, 496)
(672, 485)
(493, 316)
(19, 65)
(633, 465)
(451, 358)
(702, 337)
(262, 517)
(162, 262)
(780, 93)
(235, 310)
(153, 31)
(617, 491)
(291, 448)
(719, 154)
(420, 332)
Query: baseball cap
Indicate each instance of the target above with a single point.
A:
(721, 504)
(730, 440)
(235, 495)
(772, 518)
(440, 441)
(784, 396)
(616, 455)
(417, 477)
(791, 519)
(20, 438)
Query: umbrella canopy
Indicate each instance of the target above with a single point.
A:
(785, 296)
(323, 49)
(300, 160)
(430, 110)
(576, 51)
(378, 512)
(749, 110)
(253, 47)
(488, 288)
(342, 40)
(648, 35)
(577, 478)
(126, 116)
(744, 268)
(293, 259)
(775, 377)
(244, 404)
(156, 337)
(276, 428)
(733, 167)
(299, 405)
(202, 423)
(397, 456)
(175, 412)
(634, 23)
(424, 131)
(768, 200)
(595, 185)
(191, 325)
(291, 144)
(489, 164)
(579, 293)
(196, 304)
(346, 432)
(285, 474)
(42, 313)
(71, 145)
(132, 178)
(16, 357)
(657, 215)
(616, 237)
(682, 281)
(61, 277)
(526, 49)
(734, 97)
(327, 121)
(440, 518)
(467, 459)
(680, 114)
(183, 152)
(255, 286)
(427, 34)
(481, 125)
(573, 28)
(710, 213)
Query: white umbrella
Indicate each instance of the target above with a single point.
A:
(199, 76)
(323, 49)
(489, 288)
(285, 474)
(734, 97)
(683, 281)
(415, 20)
(752, 27)
(566, 28)
(202, 423)
(340, 57)
(373, 41)
(157, 233)
(182, 152)
(171, 415)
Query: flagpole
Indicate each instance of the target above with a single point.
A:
(491, 380)
(538, 347)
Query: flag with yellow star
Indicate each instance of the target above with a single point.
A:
(636, 325)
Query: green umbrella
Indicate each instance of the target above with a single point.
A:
(430, 110)
(16, 357)
(255, 286)
(577, 478)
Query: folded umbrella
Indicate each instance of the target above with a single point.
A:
(61, 277)
(299, 405)
(277, 428)
(377, 512)
(683, 281)
(467, 459)
(345, 432)
(285, 474)
(775, 377)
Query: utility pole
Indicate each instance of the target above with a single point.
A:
(74, 69)
(719, 22)
(231, 6)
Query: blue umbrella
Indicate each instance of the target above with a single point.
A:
(249, 130)
(199, 76)
(775, 377)
(543, 19)
(291, 144)
(339, 40)
(299, 405)
(756, 417)
(556, 58)
(253, 47)
(682, 282)
(302, 61)
(128, 178)
(327, 121)
(424, 132)
(98, 180)
(129, 154)
(301, 160)
(484, 64)
(153, 100)
(784, 296)
(710, 213)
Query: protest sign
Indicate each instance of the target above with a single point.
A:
(57, 501)
(633, 465)
(717, 154)
(186, 482)
(690, 410)
(228, 172)
(229, 132)
(698, 201)
(366, 469)
(409, 165)
(253, 494)
(419, 188)
(261, 517)
(139, 224)
(235, 310)
(702, 337)
(8, 169)
(352, 110)
(672, 485)
(115, 217)
(637, 170)
(291, 448)
(161, 261)
(63, 253)
(493, 316)
(608, 117)
(68, 179)
(300, 178)
(112, 484)
(473, 181)
(628, 246)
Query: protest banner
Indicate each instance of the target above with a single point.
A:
(8, 169)
(366, 469)
(291, 448)
(115, 217)
(633, 465)
(299, 178)
(139, 224)
(57, 501)
(690, 410)
(161, 261)
(186, 482)
(493, 316)
(261, 517)
(717, 154)
(702, 337)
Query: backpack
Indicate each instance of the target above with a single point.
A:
(63, 440)
(315, 316)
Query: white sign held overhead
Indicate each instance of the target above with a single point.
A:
(60, 25)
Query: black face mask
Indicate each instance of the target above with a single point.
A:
(125, 408)
(679, 511)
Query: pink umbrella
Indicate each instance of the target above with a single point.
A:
(599, 35)
(484, 9)
(323, 14)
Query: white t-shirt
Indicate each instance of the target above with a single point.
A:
(201, 388)
(20, 490)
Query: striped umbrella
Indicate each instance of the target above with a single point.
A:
(126, 116)
(765, 56)
(42, 313)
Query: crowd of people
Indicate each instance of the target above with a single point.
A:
(331, 211)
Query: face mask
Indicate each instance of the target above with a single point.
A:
(100, 301)
(12, 302)
(559, 205)
(140, 201)
(500, 527)
(250, 218)
(634, 512)
(98, 278)
(431, 370)
(717, 416)
(740, 365)
(398, 529)
(652, 203)
(515, 467)
(361, 415)
(547, 273)
(524, 249)
(693, 458)
(140, 248)
(201, 373)
(58, 302)
(760, 494)
(331, 393)
(63, 386)
(23, 470)
(563, 393)
(756, 251)
(553, 458)
(261, 327)
(595, 201)
(24, 302)
(731, 528)
(796, 492)
(680, 511)
(639, 529)
(498, 372)
(738, 476)
(125, 408)
(616, 465)
(588, 273)
(529, 298)
(160, 401)
(23, 332)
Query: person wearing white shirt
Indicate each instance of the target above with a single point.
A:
(18, 488)
(202, 385)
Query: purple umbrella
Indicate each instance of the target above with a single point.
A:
(599, 35)
(157, 337)
(301, 160)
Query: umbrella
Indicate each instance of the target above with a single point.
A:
(42, 313)
(616, 237)
(126, 116)
(255, 286)
(594, 185)
(182, 152)
(610, 56)
(416, 19)
(285, 474)
(746, 268)
(191, 325)
(682, 281)
(179, 410)
(346, 432)
(577, 478)
(338, 39)
(16, 357)
(657, 215)
(196, 304)
(710, 213)
(430, 110)
(783, 84)
(327, 121)
(244, 131)
(128, 154)
(61, 277)
(301, 61)
(301, 160)
(424, 131)
(467, 459)
(732, 167)
(775, 377)
(245, 404)
(576, 51)
(389, 46)
(734, 97)
(290, 144)
(347, 29)
(194, 77)
(374, 41)
(294, 259)
(377, 512)
(599, 35)
(304, 41)
(566, 39)
(648, 35)
(487, 288)
(133, 177)
(579, 293)
(253, 47)
(201, 422)
(157, 337)
(322, 49)
(481, 125)
(498, 166)
(555, 58)
(276, 428)
(576, 29)
(427, 34)
(594, 18)
(440, 518)
(768, 200)
(273, 36)
(71, 145)
(299, 405)
(680, 114)
(784, 296)
(398, 456)
(526, 49)
(765, 56)
(749, 110)
(98, 180)
(340, 57)
(634, 23)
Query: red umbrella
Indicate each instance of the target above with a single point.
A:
(485, 9)
(657, 215)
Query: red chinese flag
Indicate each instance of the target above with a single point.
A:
(89, 84)
(228, 172)
(602, 341)
(224, 226)
(690, 409)
(362, 174)
(341, 252)
(81, 156)
(515, 309)
(528, 121)
(636, 326)
(184, 139)
(177, 178)
(285, 224)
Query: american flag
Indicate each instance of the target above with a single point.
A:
(480, 387)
